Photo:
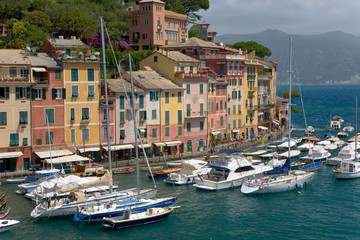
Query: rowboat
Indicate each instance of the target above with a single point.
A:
(128, 219)
(15, 180)
(123, 170)
(165, 172)
(153, 168)
(6, 225)
(2, 197)
(4, 215)
(3, 204)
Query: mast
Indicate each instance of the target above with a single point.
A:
(106, 94)
(49, 140)
(289, 111)
(135, 129)
(356, 129)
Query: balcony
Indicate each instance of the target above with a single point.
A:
(263, 78)
(252, 107)
(252, 90)
(190, 114)
(159, 26)
(224, 57)
(41, 80)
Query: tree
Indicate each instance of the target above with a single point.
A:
(39, 19)
(294, 94)
(195, 31)
(188, 7)
(250, 46)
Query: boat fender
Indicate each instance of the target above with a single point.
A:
(261, 186)
(296, 186)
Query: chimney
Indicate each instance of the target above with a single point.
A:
(130, 9)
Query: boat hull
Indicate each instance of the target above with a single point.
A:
(6, 225)
(346, 175)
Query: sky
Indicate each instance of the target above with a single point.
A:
(302, 17)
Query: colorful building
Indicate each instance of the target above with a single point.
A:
(15, 111)
(81, 77)
(164, 106)
(186, 72)
(206, 33)
(152, 25)
(47, 107)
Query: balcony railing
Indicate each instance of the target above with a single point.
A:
(190, 114)
(41, 80)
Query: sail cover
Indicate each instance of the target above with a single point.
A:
(285, 168)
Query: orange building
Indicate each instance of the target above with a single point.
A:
(152, 25)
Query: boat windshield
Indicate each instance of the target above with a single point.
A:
(244, 169)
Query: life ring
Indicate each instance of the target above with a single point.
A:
(261, 186)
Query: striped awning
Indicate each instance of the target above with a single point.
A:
(53, 153)
(10, 154)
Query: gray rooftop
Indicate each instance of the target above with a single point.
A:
(180, 57)
(192, 42)
(44, 60)
(75, 43)
(117, 85)
(13, 56)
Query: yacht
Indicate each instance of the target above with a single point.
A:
(347, 153)
(317, 153)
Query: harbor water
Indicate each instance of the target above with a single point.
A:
(325, 209)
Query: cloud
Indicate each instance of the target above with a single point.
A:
(291, 16)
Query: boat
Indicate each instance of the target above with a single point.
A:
(228, 172)
(348, 128)
(189, 170)
(3, 204)
(306, 146)
(312, 166)
(328, 135)
(123, 170)
(291, 154)
(153, 168)
(255, 154)
(129, 219)
(4, 215)
(330, 147)
(164, 172)
(309, 129)
(279, 179)
(342, 134)
(31, 182)
(15, 180)
(174, 164)
(2, 197)
(317, 153)
(347, 153)
(6, 225)
(324, 142)
(285, 145)
(349, 169)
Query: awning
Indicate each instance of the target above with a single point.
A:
(235, 130)
(215, 133)
(54, 153)
(65, 159)
(173, 143)
(260, 114)
(92, 149)
(142, 130)
(262, 127)
(39, 69)
(10, 154)
(159, 144)
(119, 147)
(145, 145)
(276, 122)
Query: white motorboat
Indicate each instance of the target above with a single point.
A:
(347, 153)
(348, 128)
(6, 224)
(256, 153)
(189, 170)
(347, 170)
(324, 142)
(309, 129)
(317, 153)
(174, 164)
(284, 155)
(31, 182)
(330, 147)
(15, 180)
(342, 134)
(285, 145)
(306, 146)
(228, 172)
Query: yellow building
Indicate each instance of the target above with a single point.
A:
(81, 80)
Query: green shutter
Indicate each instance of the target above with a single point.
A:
(7, 93)
(141, 101)
(64, 93)
(122, 102)
(72, 114)
(179, 117)
(44, 93)
(57, 74)
(187, 88)
(91, 92)
(201, 88)
(3, 118)
(33, 94)
(201, 109)
(122, 116)
(221, 121)
(28, 93)
(53, 91)
(25, 141)
(17, 92)
(167, 117)
(74, 75)
(90, 74)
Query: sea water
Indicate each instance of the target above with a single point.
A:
(325, 209)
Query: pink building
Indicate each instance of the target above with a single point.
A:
(47, 107)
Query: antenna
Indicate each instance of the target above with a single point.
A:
(27, 49)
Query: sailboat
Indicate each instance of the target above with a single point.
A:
(349, 169)
(120, 208)
(283, 179)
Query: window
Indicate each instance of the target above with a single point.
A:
(122, 102)
(167, 132)
(174, 24)
(91, 91)
(58, 93)
(167, 117)
(85, 114)
(234, 109)
(222, 69)
(23, 117)
(217, 106)
(179, 116)
(14, 139)
(154, 133)
(49, 138)
(239, 123)
(49, 116)
(91, 74)
(212, 123)
(3, 118)
(212, 106)
(72, 114)
(72, 135)
(13, 72)
(154, 96)
(122, 134)
(183, 51)
(22, 92)
(24, 72)
(25, 141)
(195, 52)
(142, 115)
(188, 110)
(182, 68)
(187, 88)
(221, 120)
(169, 24)
(201, 88)
(179, 131)
(74, 91)
(155, 58)
(153, 114)
(122, 117)
(221, 104)
(105, 133)
(68, 51)
(85, 134)
(38, 93)
(218, 89)
(141, 101)
(188, 127)
(201, 109)
(57, 74)
(38, 141)
(104, 115)
(166, 97)
(146, 21)
(201, 126)
(74, 74)
(234, 123)
(191, 68)
(4, 92)
(179, 97)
